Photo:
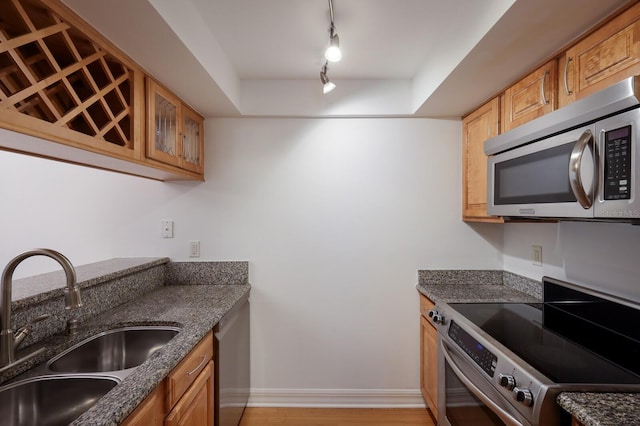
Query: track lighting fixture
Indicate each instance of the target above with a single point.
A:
(331, 54)
(327, 85)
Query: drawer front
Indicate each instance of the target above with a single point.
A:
(187, 371)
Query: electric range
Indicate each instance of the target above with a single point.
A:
(505, 363)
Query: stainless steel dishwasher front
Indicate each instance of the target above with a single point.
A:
(232, 366)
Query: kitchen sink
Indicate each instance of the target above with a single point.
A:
(51, 400)
(113, 350)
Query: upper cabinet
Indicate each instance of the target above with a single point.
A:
(57, 81)
(602, 57)
(477, 127)
(175, 133)
(606, 56)
(529, 98)
(82, 98)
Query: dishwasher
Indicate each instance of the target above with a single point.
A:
(233, 365)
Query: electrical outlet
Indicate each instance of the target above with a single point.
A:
(194, 248)
(166, 229)
(536, 255)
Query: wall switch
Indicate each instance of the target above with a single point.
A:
(194, 248)
(536, 255)
(166, 229)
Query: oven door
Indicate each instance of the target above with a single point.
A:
(466, 397)
(553, 177)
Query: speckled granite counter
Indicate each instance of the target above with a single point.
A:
(127, 292)
(602, 409)
(465, 286)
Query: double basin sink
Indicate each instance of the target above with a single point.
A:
(77, 378)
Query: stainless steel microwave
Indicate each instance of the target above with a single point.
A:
(579, 162)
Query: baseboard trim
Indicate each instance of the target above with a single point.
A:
(336, 398)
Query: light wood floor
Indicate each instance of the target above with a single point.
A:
(336, 417)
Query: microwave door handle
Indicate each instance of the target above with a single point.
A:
(500, 412)
(575, 175)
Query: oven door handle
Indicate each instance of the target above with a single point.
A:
(500, 412)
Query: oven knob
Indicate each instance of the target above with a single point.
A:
(523, 396)
(437, 318)
(432, 312)
(507, 381)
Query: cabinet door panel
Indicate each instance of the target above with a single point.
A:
(163, 131)
(150, 412)
(192, 150)
(610, 54)
(530, 98)
(477, 127)
(195, 408)
(429, 365)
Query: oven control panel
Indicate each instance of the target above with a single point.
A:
(481, 355)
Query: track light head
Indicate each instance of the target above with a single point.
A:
(333, 53)
(327, 85)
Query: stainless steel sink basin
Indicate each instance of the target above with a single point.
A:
(113, 350)
(51, 400)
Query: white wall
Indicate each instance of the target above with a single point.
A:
(334, 215)
(602, 256)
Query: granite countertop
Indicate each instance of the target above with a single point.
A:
(469, 286)
(194, 308)
(602, 409)
(470, 293)
(193, 296)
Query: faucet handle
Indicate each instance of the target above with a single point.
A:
(72, 297)
(24, 331)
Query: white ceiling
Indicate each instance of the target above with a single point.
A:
(400, 57)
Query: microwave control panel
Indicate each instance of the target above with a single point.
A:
(617, 164)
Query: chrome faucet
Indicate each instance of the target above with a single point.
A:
(9, 343)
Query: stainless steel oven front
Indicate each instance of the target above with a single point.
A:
(481, 382)
(466, 397)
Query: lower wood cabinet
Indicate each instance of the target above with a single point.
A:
(195, 407)
(428, 357)
(185, 397)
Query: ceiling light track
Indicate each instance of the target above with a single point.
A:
(331, 54)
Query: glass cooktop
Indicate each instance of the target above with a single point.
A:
(569, 341)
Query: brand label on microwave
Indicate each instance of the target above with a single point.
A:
(527, 211)
(620, 213)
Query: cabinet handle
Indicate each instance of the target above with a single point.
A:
(566, 71)
(198, 367)
(544, 78)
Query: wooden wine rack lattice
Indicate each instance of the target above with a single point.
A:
(51, 71)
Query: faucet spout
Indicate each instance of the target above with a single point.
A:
(72, 298)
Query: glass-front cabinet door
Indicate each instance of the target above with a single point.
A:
(163, 133)
(175, 133)
(192, 140)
